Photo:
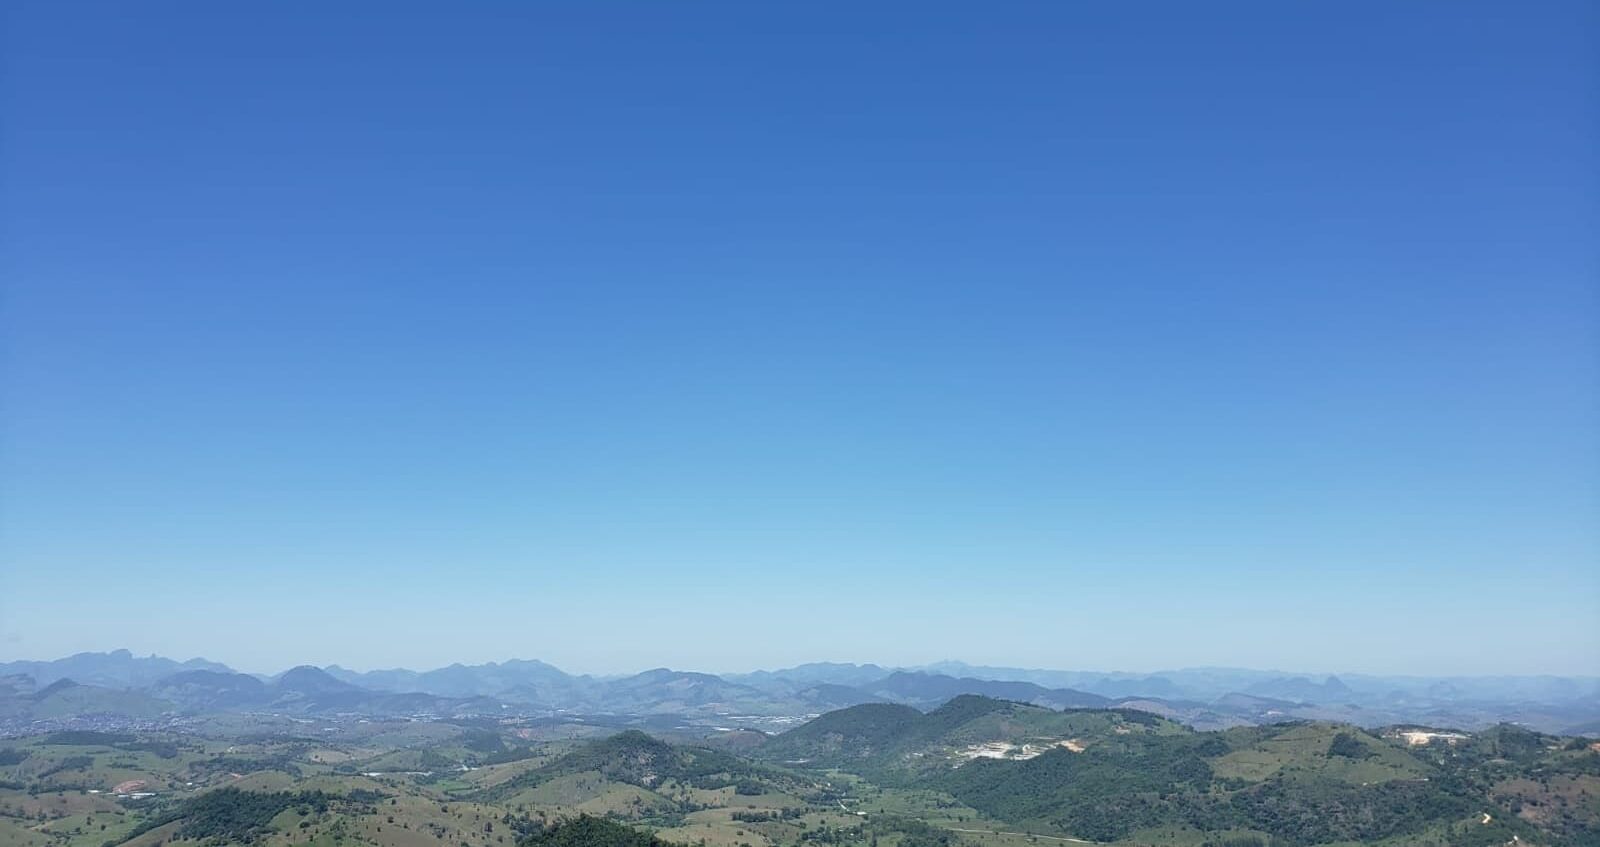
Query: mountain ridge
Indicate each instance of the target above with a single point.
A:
(1208, 698)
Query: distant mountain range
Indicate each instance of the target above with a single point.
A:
(116, 669)
(119, 683)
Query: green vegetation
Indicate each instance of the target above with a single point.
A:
(903, 832)
(231, 816)
(1292, 784)
(589, 831)
(1102, 793)
(70, 763)
(634, 758)
(975, 773)
(87, 738)
(1347, 745)
(898, 744)
(856, 734)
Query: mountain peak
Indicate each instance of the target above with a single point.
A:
(309, 679)
(61, 684)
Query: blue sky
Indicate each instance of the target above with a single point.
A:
(1079, 335)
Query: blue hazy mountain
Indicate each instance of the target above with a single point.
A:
(1201, 697)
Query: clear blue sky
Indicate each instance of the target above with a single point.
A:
(1081, 335)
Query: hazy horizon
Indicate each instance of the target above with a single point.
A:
(725, 335)
(929, 666)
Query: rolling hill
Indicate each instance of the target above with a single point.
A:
(1115, 775)
(665, 773)
(65, 698)
(211, 690)
(975, 772)
(895, 742)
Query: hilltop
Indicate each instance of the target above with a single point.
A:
(634, 771)
(894, 742)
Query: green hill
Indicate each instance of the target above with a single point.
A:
(1118, 775)
(590, 831)
(637, 759)
(1102, 793)
(65, 698)
(895, 743)
(1302, 784)
(853, 735)
(231, 816)
(1317, 750)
